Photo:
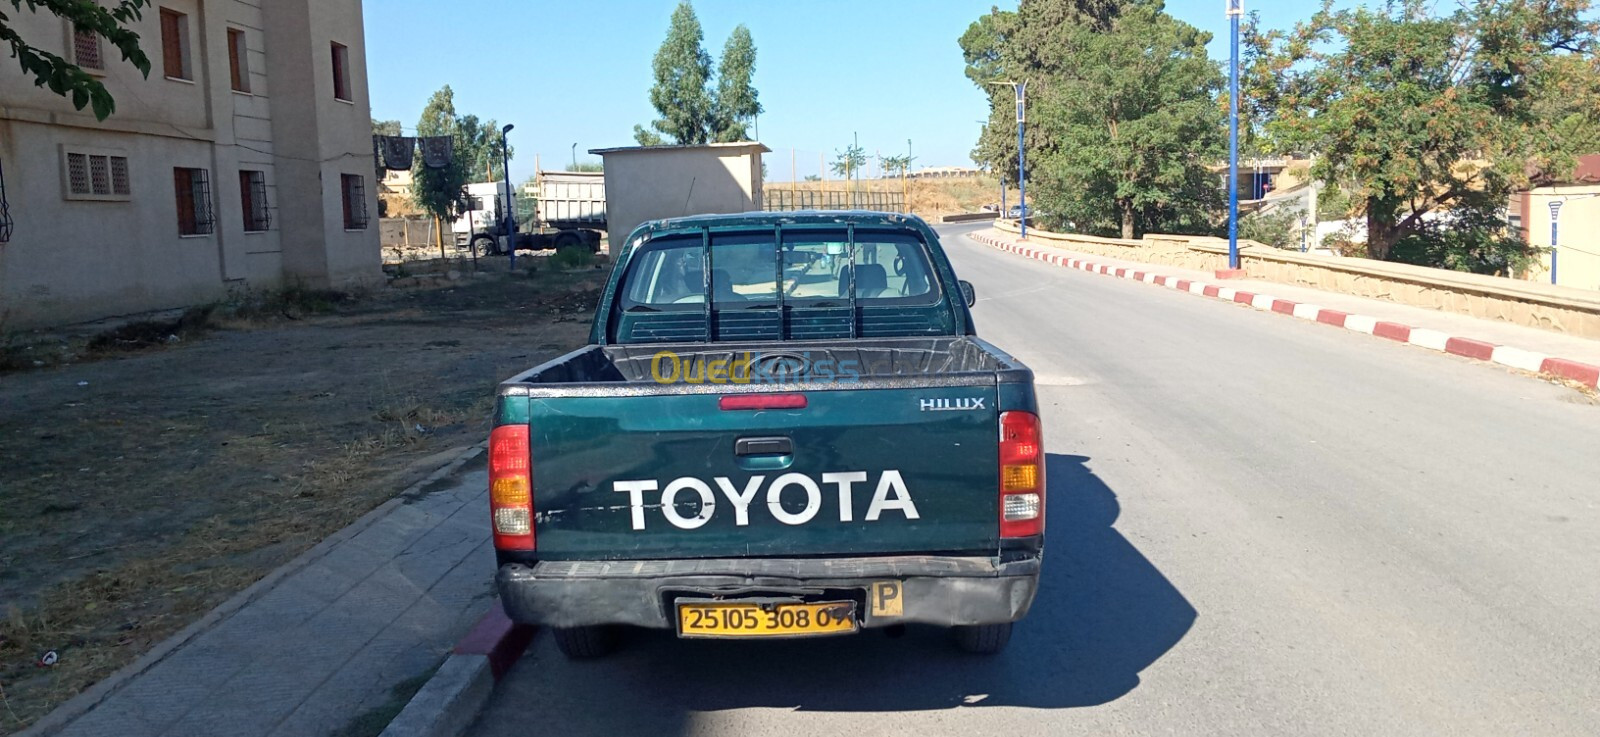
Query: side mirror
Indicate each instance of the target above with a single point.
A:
(967, 292)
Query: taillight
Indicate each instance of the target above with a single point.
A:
(734, 402)
(511, 487)
(1021, 475)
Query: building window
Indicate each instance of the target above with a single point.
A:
(354, 193)
(192, 188)
(5, 209)
(94, 174)
(253, 200)
(238, 60)
(341, 72)
(86, 49)
(175, 45)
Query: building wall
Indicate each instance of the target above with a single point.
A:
(1578, 249)
(645, 184)
(71, 260)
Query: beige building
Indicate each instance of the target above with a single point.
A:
(653, 182)
(1576, 259)
(244, 160)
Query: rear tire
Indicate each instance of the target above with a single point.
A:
(585, 643)
(983, 639)
(486, 246)
(567, 240)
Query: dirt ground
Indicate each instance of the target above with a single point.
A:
(141, 490)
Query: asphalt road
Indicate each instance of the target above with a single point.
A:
(1257, 526)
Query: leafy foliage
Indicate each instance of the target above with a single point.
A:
(1418, 113)
(736, 101)
(587, 166)
(893, 166)
(691, 112)
(682, 70)
(848, 162)
(64, 77)
(1122, 113)
(1279, 228)
(478, 146)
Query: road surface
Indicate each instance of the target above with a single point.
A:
(1257, 526)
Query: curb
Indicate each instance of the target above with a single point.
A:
(91, 697)
(452, 698)
(1538, 363)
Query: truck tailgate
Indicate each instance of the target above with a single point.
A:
(886, 469)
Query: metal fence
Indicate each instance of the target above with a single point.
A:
(787, 200)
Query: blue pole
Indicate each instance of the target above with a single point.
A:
(1002, 196)
(1553, 233)
(1022, 171)
(1235, 9)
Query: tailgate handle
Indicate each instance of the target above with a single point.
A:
(772, 446)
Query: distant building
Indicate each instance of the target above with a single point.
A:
(244, 160)
(1576, 197)
(946, 172)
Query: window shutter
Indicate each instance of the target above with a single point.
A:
(78, 174)
(86, 49)
(119, 176)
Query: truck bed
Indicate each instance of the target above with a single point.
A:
(947, 357)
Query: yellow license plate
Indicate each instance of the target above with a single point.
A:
(766, 619)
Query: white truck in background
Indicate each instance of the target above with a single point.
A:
(557, 210)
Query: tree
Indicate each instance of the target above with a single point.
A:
(440, 192)
(386, 127)
(736, 99)
(849, 161)
(1426, 117)
(895, 165)
(587, 166)
(682, 71)
(66, 78)
(1123, 117)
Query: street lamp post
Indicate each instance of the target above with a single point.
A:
(1555, 232)
(510, 198)
(574, 157)
(1235, 11)
(1021, 88)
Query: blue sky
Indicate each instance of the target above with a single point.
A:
(579, 71)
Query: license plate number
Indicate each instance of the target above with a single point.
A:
(769, 619)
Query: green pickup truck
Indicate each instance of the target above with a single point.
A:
(784, 426)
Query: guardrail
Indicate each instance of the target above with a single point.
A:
(1558, 309)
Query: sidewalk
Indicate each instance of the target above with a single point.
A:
(1532, 340)
(323, 639)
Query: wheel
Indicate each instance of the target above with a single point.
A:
(567, 240)
(983, 639)
(585, 643)
(485, 245)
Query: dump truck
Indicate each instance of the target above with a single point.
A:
(556, 210)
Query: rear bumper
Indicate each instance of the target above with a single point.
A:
(939, 590)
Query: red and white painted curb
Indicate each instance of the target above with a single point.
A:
(454, 695)
(1517, 358)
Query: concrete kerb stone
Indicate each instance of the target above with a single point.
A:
(91, 697)
(1581, 373)
(452, 698)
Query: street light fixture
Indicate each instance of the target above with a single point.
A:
(510, 198)
(1021, 88)
(574, 157)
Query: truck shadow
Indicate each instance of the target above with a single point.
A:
(1104, 613)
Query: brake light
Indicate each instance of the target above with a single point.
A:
(511, 487)
(762, 401)
(1021, 475)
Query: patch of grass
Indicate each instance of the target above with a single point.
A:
(372, 722)
(572, 258)
(143, 334)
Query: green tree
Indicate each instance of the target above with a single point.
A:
(64, 77)
(848, 162)
(587, 166)
(440, 192)
(1123, 116)
(893, 166)
(682, 72)
(736, 99)
(386, 127)
(1418, 113)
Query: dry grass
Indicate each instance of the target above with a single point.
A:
(929, 198)
(176, 475)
